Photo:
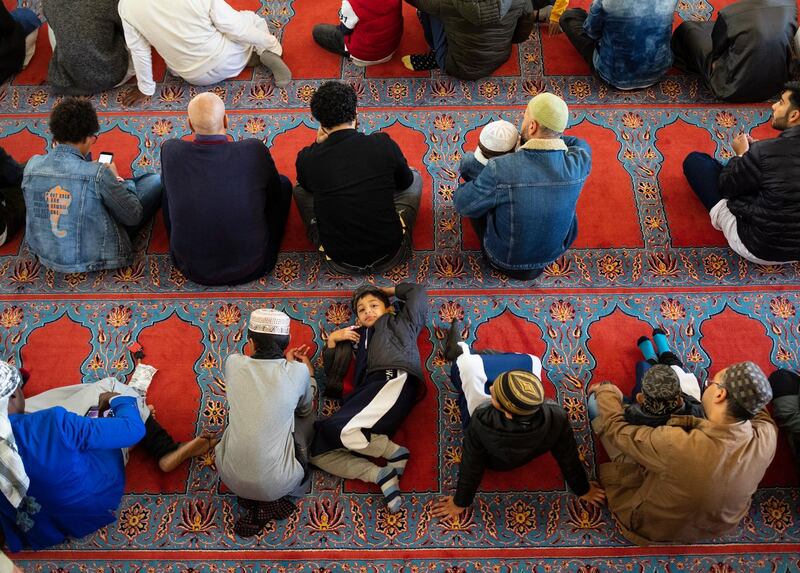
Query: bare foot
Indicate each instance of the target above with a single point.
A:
(186, 450)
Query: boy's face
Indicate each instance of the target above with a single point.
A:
(369, 309)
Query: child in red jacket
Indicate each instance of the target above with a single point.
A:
(368, 33)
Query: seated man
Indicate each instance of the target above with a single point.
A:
(508, 422)
(470, 40)
(202, 41)
(225, 206)
(12, 205)
(63, 458)
(81, 215)
(263, 455)
(356, 194)
(18, 31)
(89, 51)
(745, 55)
(625, 41)
(755, 199)
(523, 204)
(786, 407)
(661, 487)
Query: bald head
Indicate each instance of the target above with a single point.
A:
(207, 114)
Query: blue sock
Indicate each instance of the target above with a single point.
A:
(390, 486)
(660, 338)
(647, 349)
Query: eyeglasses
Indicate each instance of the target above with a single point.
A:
(709, 382)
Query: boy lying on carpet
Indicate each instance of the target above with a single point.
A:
(386, 382)
(62, 473)
(263, 455)
(663, 388)
(508, 422)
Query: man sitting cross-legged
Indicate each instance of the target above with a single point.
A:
(63, 455)
(81, 215)
(523, 204)
(507, 423)
(202, 41)
(225, 205)
(755, 198)
(355, 192)
(692, 479)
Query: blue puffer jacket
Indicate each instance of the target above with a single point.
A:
(529, 200)
(633, 40)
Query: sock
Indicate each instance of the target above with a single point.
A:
(647, 349)
(451, 348)
(398, 458)
(420, 62)
(280, 71)
(660, 338)
(390, 486)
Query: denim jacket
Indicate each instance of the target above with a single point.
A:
(633, 40)
(529, 200)
(75, 211)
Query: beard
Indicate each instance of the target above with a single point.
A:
(779, 123)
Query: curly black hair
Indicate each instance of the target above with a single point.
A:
(73, 120)
(334, 103)
(794, 93)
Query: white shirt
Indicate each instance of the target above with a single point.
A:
(193, 36)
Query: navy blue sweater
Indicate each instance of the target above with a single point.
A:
(217, 198)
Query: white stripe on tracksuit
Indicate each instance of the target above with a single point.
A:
(351, 435)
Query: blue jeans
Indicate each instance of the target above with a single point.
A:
(148, 188)
(435, 36)
(26, 18)
(702, 172)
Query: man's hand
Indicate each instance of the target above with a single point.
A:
(349, 334)
(133, 97)
(554, 28)
(300, 354)
(388, 291)
(446, 507)
(595, 496)
(104, 401)
(113, 169)
(741, 144)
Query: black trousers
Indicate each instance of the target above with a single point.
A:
(572, 24)
(12, 212)
(157, 442)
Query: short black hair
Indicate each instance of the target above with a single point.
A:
(334, 103)
(376, 292)
(73, 120)
(794, 93)
(735, 411)
(268, 342)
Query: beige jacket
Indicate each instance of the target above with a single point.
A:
(692, 480)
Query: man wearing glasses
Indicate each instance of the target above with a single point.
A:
(81, 215)
(692, 479)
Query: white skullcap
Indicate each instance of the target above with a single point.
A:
(269, 321)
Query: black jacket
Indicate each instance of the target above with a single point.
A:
(751, 50)
(493, 441)
(12, 45)
(393, 344)
(635, 415)
(479, 32)
(763, 192)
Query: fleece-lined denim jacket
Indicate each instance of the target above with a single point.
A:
(75, 209)
(633, 40)
(529, 200)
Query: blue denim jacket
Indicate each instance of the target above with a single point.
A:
(75, 209)
(633, 40)
(529, 198)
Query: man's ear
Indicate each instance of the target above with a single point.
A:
(225, 121)
(640, 398)
(794, 116)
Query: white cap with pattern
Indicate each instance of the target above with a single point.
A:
(269, 321)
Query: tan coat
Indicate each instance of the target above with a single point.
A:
(692, 480)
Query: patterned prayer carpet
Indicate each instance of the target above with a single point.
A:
(646, 255)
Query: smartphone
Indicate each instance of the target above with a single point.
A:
(105, 157)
